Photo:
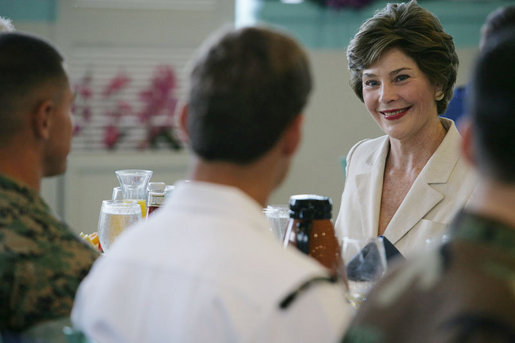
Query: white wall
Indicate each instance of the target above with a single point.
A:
(335, 118)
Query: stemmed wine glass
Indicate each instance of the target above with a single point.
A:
(364, 261)
(115, 217)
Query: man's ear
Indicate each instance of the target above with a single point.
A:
(42, 119)
(183, 122)
(467, 141)
(293, 135)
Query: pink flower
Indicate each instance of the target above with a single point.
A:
(85, 92)
(158, 97)
(86, 113)
(111, 136)
(120, 81)
(77, 129)
(81, 107)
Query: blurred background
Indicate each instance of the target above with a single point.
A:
(126, 60)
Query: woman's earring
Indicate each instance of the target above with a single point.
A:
(439, 95)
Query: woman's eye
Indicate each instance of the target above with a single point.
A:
(370, 83)
(401, 77)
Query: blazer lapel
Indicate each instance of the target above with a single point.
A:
(422, 197)
(370, 184)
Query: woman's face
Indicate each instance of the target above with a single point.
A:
(399, 95)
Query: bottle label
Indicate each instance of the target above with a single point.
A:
(156, 199)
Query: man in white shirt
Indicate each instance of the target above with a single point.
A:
(205, 267)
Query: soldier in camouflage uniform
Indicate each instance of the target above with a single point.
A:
(41, 261)
(465, 290)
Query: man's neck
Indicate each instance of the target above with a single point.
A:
(21, 167)
(494, 200)
(251, 179)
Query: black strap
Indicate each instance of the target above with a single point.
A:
(286, 302)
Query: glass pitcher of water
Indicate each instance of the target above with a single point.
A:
(133, 183)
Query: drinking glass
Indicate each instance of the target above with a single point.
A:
(134, 185)
(117, 193)
(115, 217)
(278, 217)
(364, 261)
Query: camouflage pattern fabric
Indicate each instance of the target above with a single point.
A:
(41, 260)
(462, 292)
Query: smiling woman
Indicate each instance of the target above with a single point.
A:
(408, 184)
(395, 88)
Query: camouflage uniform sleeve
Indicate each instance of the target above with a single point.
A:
(6, 277)
(46, 264)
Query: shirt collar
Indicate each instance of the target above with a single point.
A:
(229, 200)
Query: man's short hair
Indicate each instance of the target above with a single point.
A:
(26, 64)
(245, 88)
(491, 104)
(500, 19)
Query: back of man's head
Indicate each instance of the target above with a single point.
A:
(501, 19)
(27, 65)
(246, 87)
(492, 108)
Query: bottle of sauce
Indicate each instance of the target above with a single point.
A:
(156, 196)
(311, 230)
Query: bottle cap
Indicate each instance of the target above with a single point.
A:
(156, 186)
(310, 206)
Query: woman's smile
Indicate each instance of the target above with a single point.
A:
(395, 114)
(399, 96)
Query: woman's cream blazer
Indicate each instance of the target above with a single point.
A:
(441, 189)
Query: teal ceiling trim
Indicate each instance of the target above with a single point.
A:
(323, 28)
(28, 10)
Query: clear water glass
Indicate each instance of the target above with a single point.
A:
(134, 182)
(115, 217)
(364, 261)
(117, 193)
(278, 217)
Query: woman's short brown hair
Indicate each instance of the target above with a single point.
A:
(418, 33)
